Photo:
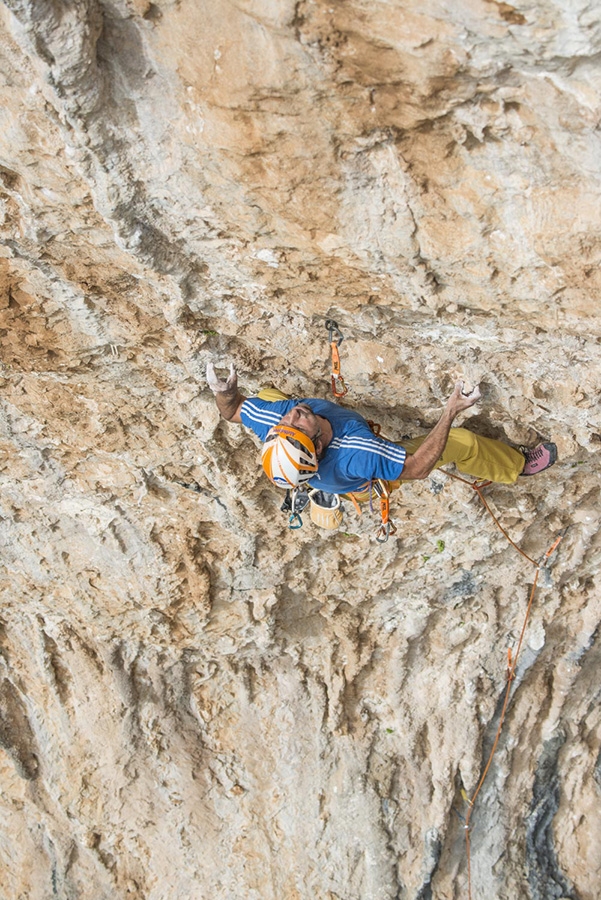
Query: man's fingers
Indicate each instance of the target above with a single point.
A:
(216, 384)
(474, 394)
(233, 376)
(470, 398)
(211, 377)
(462, 399)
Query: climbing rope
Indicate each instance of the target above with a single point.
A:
(478, 486)
(339, 388)
(387, 528)
(512, 659)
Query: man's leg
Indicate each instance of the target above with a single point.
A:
(481, 457)
(272, 394)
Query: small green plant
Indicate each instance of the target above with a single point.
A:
(390, 731)
(440, 545)
(425, 558)
(208, 332)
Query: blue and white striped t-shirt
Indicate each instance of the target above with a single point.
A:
(353, 457)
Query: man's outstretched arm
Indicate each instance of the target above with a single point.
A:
(420, 464)
(228, 398)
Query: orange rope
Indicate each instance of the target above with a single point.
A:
(510, 677)
(512, 660)
(478, 486)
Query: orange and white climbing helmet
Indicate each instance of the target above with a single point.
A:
(288, 456)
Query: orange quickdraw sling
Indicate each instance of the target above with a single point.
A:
(387, 527)
(339, 388)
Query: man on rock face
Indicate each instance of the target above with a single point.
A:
(326, 446)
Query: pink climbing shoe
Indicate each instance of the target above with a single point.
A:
(539, 458)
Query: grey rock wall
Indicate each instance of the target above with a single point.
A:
(196, 701)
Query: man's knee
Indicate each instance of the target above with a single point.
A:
(461, 445)
(464, 437)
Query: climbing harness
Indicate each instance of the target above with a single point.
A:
(339, 388)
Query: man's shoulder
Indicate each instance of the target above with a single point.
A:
(260, 414)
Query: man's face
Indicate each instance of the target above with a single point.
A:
(303, 418)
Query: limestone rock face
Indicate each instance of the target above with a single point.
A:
(195, 701)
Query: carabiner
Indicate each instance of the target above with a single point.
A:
(295, 521)
(384, 532)
(332, 327)
(544, 562)
(386, 528)
(339, 388)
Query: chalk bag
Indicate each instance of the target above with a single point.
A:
(326, 511)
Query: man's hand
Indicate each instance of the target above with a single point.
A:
(458, 401)
(222, 387)
(227, 396)
(421, 463)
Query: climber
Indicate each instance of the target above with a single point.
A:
(326, 446)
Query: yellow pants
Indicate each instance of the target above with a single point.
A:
(480, 457)
(272, 394)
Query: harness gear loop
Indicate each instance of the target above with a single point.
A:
(335, 337)
(353, 500)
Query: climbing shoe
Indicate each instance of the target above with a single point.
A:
(539, 458)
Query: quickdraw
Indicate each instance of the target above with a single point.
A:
(294, 503)
(387, 527)
(339, 388)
